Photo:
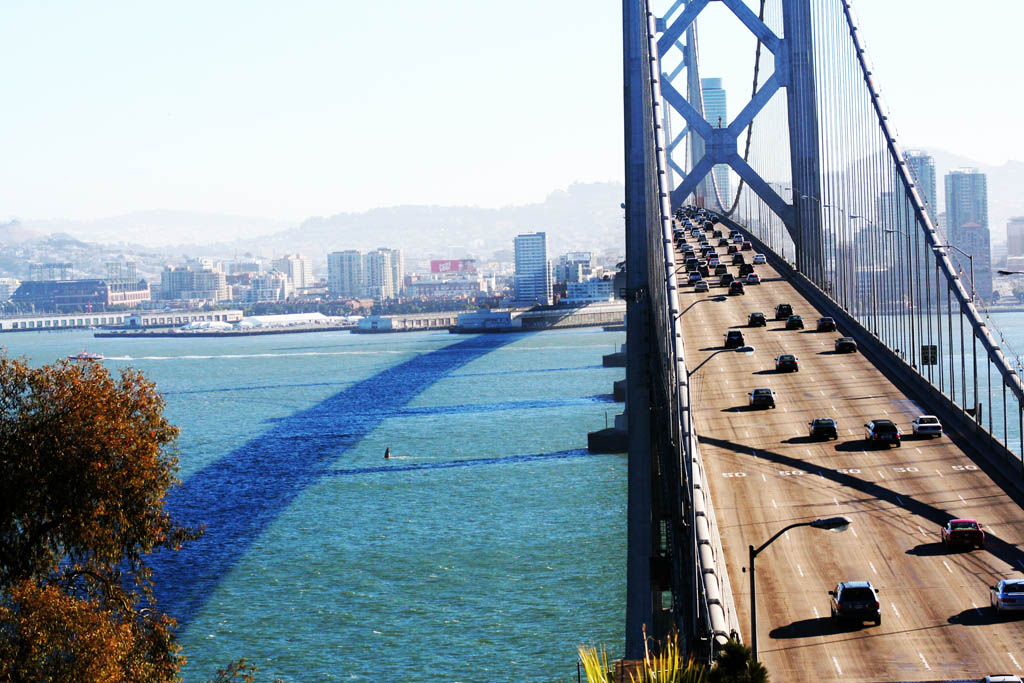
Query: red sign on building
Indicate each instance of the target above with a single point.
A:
(466, 265)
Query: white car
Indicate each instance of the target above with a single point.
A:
(753, 279)
(1003, 678)
(700, 286)
(927, 425)
(1007, 596)
(759, 258)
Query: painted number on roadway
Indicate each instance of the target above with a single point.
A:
(852, 470)
(961, 468)
(790, 473)
(734, 474)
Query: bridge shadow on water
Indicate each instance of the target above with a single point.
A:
(241, 494)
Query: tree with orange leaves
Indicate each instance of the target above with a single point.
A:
(86, 460)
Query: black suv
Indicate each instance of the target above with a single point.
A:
(735, 288)
(826, 325)
(783, 311)
(721, 269)
(794, 322)
(882, 433)
(734, 339)
(756, 319)
(738, 259)
(746, 269)
(856, 600)
(822, 428)
(726, 280)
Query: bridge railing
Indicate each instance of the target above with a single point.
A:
(700, 574)
(875, 250)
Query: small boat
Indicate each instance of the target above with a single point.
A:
(86, 355)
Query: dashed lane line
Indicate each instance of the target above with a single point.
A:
(976, 608)
(894, 610)
(872, 565)
(1014, 660)
(836, 662)
(948, 568)
(938, 473)
(800, 571)
(924, 661)
(922, 532)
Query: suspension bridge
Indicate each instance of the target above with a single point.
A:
(827, 195)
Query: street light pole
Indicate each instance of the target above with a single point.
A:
(836, 524)
(743, 349)
(970, 257)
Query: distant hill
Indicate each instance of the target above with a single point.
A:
(584, 216)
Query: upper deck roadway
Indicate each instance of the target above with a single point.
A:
(764, 474)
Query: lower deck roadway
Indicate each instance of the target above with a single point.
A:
(764, 474)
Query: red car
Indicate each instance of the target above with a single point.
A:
(965, 532)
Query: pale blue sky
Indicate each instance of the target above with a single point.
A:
(314, 107)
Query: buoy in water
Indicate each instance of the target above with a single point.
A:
(387, 452)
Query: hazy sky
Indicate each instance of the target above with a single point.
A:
(314, 107)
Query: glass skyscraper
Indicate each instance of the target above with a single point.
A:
(533, 273)
(717, 115)
(967, 224)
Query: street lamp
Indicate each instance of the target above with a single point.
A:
(836, 524)
(746, 350)
(970, 257)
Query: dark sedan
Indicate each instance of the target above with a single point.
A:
(822, 428)
(846, 345)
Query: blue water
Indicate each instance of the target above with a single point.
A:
(486, 548)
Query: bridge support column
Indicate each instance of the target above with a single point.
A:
(803, 139)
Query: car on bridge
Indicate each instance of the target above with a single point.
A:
(855, 601)
(759, 258)
(826, 324)
(762, 397)
(693, 277)
(717, 233)
(726, 280)
(753, 279)
(737, 259)
(736, 288)
(721, 269)
(787, 362)
(1002, 678)
(700, 286)
(737, 238)
(733, 249)
(723, 242)
(1007, 596)
(794, 322)
(734, 339)
(962, 532)
(746, 269)
(926, 425)
(822, 428)
(747, 246)
(756, 319)
(882, 433)
(783, 311)
(846, 345)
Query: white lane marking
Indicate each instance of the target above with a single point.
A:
(976, 608)
(854, 532)
(948, 568)
(938, 473)
(784, 409)
(726, 381)
(822, 393)
(918, 450)
(799, 570)
(763, 478)
(808, 451)
(961, 499)
(871, 564)
(850, 430)
(773, 503)
(747, 434)
(924, 661)
(894, 610)
(835, 500)
(1014, 660)
(816, 615)
(880, 474)
(836, 662)
(885, 411)
(833, 409)
(922, 532)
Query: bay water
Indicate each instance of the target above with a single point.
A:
(485, 548)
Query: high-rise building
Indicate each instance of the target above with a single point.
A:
(533, 273)
(717, 115)
(378, 275)
(8, 286)
(196, 280)
(397, 269)
(345, 273)
(1015, 236)
(298, 269)
(966, 200)
(967, 224)
(922, 169)
(974, 239)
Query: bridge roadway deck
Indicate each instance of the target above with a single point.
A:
(764, 474)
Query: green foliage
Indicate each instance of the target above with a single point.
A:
(595, 664)
(668, 666)
(734, 664)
